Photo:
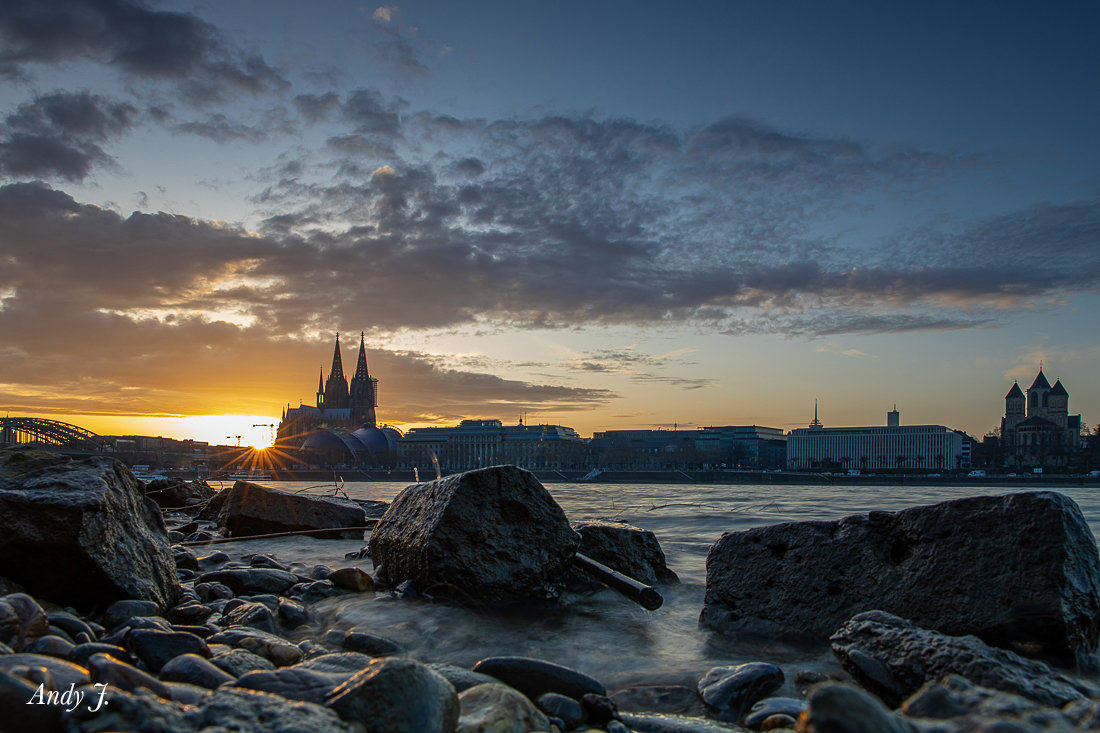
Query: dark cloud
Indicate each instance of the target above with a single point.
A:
(134, 37)
(59, 135)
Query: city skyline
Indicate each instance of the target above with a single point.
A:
(603, 217)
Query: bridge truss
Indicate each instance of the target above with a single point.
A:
(47, 434)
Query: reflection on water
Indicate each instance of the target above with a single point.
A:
(603, 634)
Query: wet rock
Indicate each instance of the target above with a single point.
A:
(372, 644)
(253, 615)
(295, 683)
(251, 509)
(893, 658)
(266, 561)
(157, 648)
(194, 670)
(842, 708)
(630, 550)
(461, 678)
(957, 705)
(70, 624)
(660, 723)
(771, 706)
(318, 590)
(121, 611)
(15, 691)
(345, 663)
(52, 646)
(732, 691)
(372, 508)
(184, 558)
(81, 533)
(212, 591)
(109, 670)
(22, 621)
(184, 693)
(398, 695)
(779, 721)
(213, 560)
(174, 493)
(239, 662)
(292, 613)
(599, 709)
(213, 507)
(319, 572)
(534, 677)
(5, 649)
(656, 698)
(249, 581)
(566, 709)
(62, 672)
(189, 614)
(498, 708)
(494, 534)
(353, 579)
(1019, 571)
(81, 653)
(615, 726)
(278, 651)
(268, 599)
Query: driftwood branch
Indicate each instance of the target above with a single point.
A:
(644, 595)
(299, 533)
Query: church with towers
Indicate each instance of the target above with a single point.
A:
(1037, 429)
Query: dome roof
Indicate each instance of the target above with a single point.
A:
(326, 440)
(373, 439)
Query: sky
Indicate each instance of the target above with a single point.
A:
(602, 215)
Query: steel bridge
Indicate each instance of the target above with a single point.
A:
(48, 434)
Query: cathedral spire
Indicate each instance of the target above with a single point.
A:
(361, 367)
(337, 364)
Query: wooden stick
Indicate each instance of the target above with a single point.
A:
(302, 532)
(644, 595)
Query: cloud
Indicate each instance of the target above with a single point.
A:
(134, 38)
(59, 135)
(385, 13)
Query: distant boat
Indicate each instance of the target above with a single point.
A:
(592, 476)
(145, 474)
(252, 474)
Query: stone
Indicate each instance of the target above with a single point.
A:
(156, 648)
(534, 677)
(292, 613)
(253, 615)
(15, 692)
(732, 691)
(184, 693)
(599, 709)
(893, 658)
(778, 721)
(630, 550)
(340, 663)
(81, 533)
(22, 621)
(249, 581)
(497, 708)
(212, 591)
(294, 683)
(251, 509)
(353, 579)
(194, 670)
(461, 678)
(278, 651)
(213, 560)
(656, 699)
(190, 613)
(239, 662)
(52, 646)
(372, 644)
(397, 696)
(174, 493)
(121, 611)
(842, 708)
(319, 572)
(213, 507)
(109, 670)
(566, 709)
(318, 590)
(81, 653)
(1019, 571)
(662, 723)
(70, 624)
(761, 711)
(493, 535)
(266, 561)
(184, 558)
(62, 672)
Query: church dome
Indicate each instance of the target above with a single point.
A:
(374, 439)
(326, 440)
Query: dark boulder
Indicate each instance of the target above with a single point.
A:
(397, 696)
(1019, 571)
(630, 550)
(157, 648)
(81, 533)
(491, 535)
(251, 509)
(213, 508)
(893, 659)
(534, 677)
(174, 493)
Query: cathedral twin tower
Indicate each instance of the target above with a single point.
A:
(360, 400)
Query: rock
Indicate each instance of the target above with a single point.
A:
(1019, 571)
(15, 692)
(656, 699)
(194, 670)
(51, 646)
(494, 535)
(966, 707)
(81, 653)
(247, 581)
(732, 691)
(346, 663)
(214, 559)
(109, 670)
(630, 550)
(497, 708)
(292, 613)
(70, 624)
(893, 658)
(120, 611)
(295, 683)
(63, 673)
(250, 509)
(843, 708)
(239, 662)
(184, 693)
(22, 621)
(398, 696)
(566, 709)
(599, 709)
(318, 590)
(462, 679)
(779, 721)
(771, 706)
(213, 507)
(174, 493)
(266, 561)
(190, 613)
(534, 677)
(376, 646)
(352, 579)
(278, 651)
(157, 648)
(184, 558)
(253, 615)
(372, 508)
(212, 591)
(658, 723)
(81, 533)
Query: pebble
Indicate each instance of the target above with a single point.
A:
(732, 691)
(267, 561)
(249, 581)
(239, 662)
(773, 722)
(278, 651)
(103, 668)
(53, 646)
(184, 558)
(212, 591)
(184, 693)
(656, 699)
(764, 709)
(600, 708)
(15, 691)
(461, 678)
(319, 572)
(568, 710)
(194, 670)
(81, 653)
(189, 614)
(352, 579)
(498, 708)
(22, 621)
(64, 673)
(294, 614)
(252, 615)
(534, 677)
(398, 696)
(318, 590)
(157, 648)
(207, 562)
(70, 624)
(372, 644)
(120, 611)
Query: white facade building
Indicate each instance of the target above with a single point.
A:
(893, 446)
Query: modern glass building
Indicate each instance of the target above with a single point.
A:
(892, 446)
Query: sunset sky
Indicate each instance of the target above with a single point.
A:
(606, 215)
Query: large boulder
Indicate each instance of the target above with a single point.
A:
(893, 659)
(491, 535)
(251, 509)
(174, 493)
(82, 533)
(1019, 571)
(632, 551)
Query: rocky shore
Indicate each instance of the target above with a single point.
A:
(123, 609)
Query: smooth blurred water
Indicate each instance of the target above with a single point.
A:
(603, 634)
